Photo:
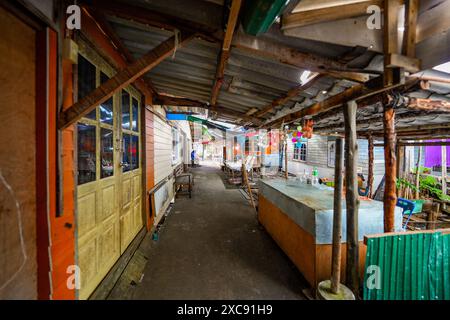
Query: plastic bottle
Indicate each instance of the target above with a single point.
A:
(315, 177)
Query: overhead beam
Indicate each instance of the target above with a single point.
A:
(294, 92)
(428, 105)
(225, 51)
(155, 19)
(122, 79)
(191, 103)
(107, 29)
(369, 92)
(304, 18)
(258, 46)
(390, 41)
(287, 55)
(410, 35)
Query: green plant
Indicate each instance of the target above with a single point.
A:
(404, 183)
(422, 169)
(429, 185)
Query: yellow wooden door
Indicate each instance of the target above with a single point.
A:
(131, 219)
(109, 190)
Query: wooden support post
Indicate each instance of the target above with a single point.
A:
(286, 158)
(246, 183)
(417, 184)
(337, 219)
(371, 159)
(400, 160)
(352, 197)
(390, 194)
(444, 169)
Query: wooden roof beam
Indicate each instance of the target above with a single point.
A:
(225, 51)
(360, 93)
(304, 18)
(287, 55)
(122, 79)
(107, 29)
(155, 19)
(428, 105)
(191, 103)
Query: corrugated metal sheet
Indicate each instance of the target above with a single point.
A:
(412, 266)
(250, 82)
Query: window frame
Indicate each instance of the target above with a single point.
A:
(297, 154)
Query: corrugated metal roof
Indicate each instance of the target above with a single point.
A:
(249, 82)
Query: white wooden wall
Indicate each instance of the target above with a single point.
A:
(163, 150)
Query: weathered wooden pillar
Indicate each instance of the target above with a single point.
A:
(371, 159)
(417, 180)
(337, 218)
(400, 161)
(390, 162)
(444, 170)
(286, 158)
(352, 197)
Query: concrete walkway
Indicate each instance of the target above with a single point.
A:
(211, 247)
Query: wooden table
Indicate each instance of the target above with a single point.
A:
(299, 218)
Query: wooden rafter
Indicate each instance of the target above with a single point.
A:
(409, 39)
(225, 51)
(191, 103)
(257, 46)
(122, 79)
(107, 29)
(291, 56)
(155, 19)
(365, 94)
(294, 92)
(304, 18)
(428, 105)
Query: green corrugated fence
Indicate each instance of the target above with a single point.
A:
(409, 266)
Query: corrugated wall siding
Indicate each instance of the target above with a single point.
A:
(410, 266)
(163, 149)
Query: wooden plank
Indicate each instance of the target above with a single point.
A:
(409, 38)
(163, 20)
(225, 52)
(390, 159)
(344, 11)
(291, 56)
(106, 27)
(394, 60)
(390, 40)
(352, 197)
(428, 105)
(122, 79)
(186, 102)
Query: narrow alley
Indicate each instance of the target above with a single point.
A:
(211, 247)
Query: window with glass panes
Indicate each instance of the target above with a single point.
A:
(130, 131)
(300, 152)
(95, 132)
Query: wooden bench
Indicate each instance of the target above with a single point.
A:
(184, 181)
